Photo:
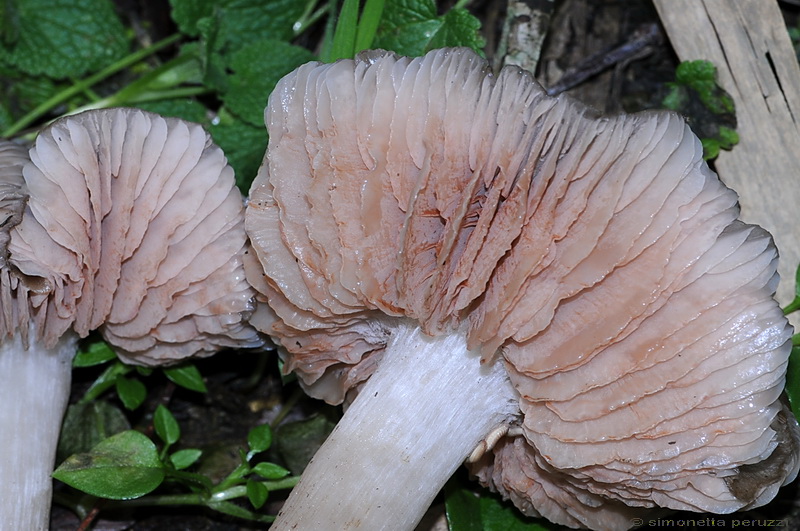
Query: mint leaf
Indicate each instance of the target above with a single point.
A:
(187, 13)
(240, 21)
(413, 27)
(249, 20)
(66, 38)
(257, 68)
(121, 467)
(459, 28)
(243, 143)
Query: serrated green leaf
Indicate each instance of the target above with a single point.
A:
(166, 426)
(240, 21)
(9, 23)
(257, 493)
(187, 13)
(459, 28)
(187, 376)
(122, 467)
(257, 68)
(185, 458)
(67, 38)
(245, 21)
(244, 145)
(94, 353)
(132, 392)
(88, 423)
(413, 27)
(270, 471)
(259, 438)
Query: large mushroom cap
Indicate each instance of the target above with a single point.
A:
(134, 226)
(598, 256)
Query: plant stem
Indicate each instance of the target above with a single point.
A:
(792, 306)
(425, 409)
(84, 84)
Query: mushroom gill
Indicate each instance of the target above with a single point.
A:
(121, 221)
(427, 210)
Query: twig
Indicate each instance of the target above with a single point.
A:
(640, 43)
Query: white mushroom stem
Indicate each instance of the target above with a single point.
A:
(34, 390)
(422, 413)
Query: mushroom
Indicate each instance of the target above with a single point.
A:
(482, 271)
(133, 227)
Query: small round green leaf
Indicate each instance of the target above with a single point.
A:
(257, 493)
(122, 467)
(166, 426)
(131, 392)
(186, 375)
(94, 354)
(259, 438)
(270, 471)
(185, 458)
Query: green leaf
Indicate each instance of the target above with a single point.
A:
(413, 27)
(498, 515)
(67, 38)
(234, 510)
(166, 426)
(368, 24)
(244, 145)
(462, 508)
(240, 21)
(797, 282)
(185, 458)
(187, 14)
(107, 379)
(183, 108)
(459, 28)
(344, 38)
(95, 353)
(467, 511)
(132, 392)
(9, 22)
(257, 493)
(122, 467)
(793, 380)
(259, 439)
(88, 423)
(187, 376)
(296, 442)
(257, 68)
(270, 471)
